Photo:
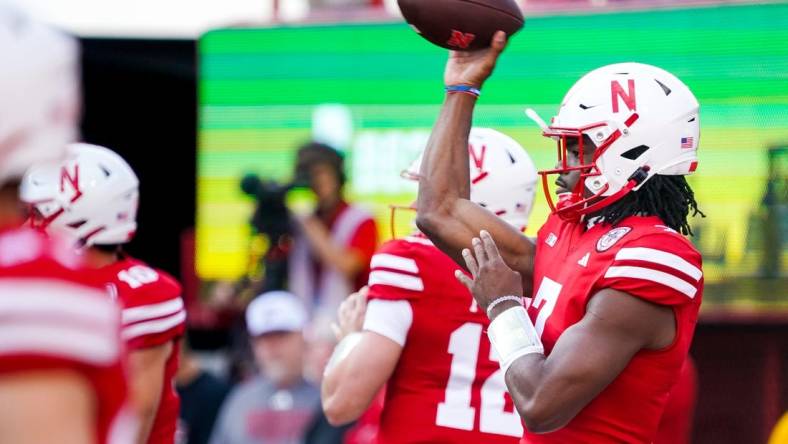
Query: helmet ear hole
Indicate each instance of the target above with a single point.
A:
(635, 152)
(77, 224)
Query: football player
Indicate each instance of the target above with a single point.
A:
(612, 286)
(91, 198)
(423, 331)
(61, 378)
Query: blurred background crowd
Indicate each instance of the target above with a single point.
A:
(269, 136)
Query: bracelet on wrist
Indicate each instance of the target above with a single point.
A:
(463, 89)
(497, 301)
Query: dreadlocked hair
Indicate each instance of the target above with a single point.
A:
(668, 197)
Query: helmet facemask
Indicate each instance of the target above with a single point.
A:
(577, 201)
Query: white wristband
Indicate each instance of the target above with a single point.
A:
(342, 350)
(497, 301)
(513, 336)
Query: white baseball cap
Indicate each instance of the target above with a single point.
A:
(275, 311)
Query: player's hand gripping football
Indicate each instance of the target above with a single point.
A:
(350, 316)
(474, 67)
(492, 278)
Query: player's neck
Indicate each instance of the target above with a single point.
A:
(96, 258)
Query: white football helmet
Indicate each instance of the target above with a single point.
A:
(503, 177)
(642, 120)
(91, 196)
(39, 93)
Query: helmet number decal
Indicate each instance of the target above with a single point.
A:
(72, 179)
(617, 92)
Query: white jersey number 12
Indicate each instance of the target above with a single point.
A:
(456, 411)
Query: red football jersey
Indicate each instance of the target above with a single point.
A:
(53, 317)
(644, 258)
(153, 314)
(447, 386)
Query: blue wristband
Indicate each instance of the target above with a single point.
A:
(463, 89)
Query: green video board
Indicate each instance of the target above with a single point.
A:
(376, 90)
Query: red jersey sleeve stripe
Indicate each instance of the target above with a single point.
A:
(152, 311)
(393, 262)
(662, 258)
(91, 346)
(398, 280)
(648, 274)
(154, 326)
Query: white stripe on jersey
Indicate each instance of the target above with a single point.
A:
(398, 263)
(152, 311)
(154, 326)
(418, 240)
(42, 298)
(398, 280)
(80, 343)
(652, 275)
(660, 257)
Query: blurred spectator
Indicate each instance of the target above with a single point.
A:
(277, 405)
(333, 245)
(201, 396)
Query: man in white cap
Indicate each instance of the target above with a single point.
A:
(277, 405)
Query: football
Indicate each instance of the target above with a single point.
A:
(462, 25)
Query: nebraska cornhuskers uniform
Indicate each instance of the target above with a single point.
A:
(52, 317)
(447, 386)
(153, 314)
(644, 258)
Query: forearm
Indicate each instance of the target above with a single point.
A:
(527, 379)
(146, 383)
(146, 425)
(445, 212)
(549, 391)
(146, 406)
(354, 378)
(340, 404)
(445, 174)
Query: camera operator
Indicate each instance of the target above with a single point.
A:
(332, 246)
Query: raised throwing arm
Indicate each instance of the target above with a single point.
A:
(445, 213)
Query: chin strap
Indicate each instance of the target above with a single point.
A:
(575, 210)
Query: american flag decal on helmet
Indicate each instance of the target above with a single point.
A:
(688, 142)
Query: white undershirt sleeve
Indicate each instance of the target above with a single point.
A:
(391, 319)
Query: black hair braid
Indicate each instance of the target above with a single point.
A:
(668, 197)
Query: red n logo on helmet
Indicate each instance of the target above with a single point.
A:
(617, 91)
(460, 39)
(478, 161)
(71, 178)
